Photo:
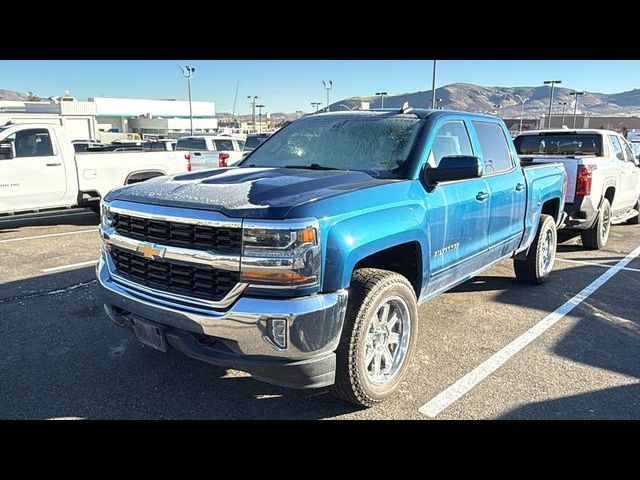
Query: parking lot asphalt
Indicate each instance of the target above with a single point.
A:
(63, 358)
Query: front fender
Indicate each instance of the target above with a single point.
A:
(352, 239)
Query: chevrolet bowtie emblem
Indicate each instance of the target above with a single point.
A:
(149, 251)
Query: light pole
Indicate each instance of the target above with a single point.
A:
(260, 107)
(522, 100)
(575, 106)
(252, 101)
(316, 105)
(438, 101)
(327, 86)
(553, 84)
(497, 107)
(189, 73)
(564, 105)
(433, 87)
(382, 94)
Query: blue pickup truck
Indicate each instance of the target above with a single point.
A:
(305, 264)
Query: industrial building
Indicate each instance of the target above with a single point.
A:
(159, 117)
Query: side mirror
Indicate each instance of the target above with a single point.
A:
(7, 151)
(455, 167)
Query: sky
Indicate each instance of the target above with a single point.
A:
(291, 85)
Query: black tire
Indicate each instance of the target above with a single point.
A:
(635, 220)
(531, 269)
(596, 237)
(370, 288)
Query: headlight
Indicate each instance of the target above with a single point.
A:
(106, 217)
(280, 254)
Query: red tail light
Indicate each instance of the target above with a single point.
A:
(222, 159)
(187, 157)
(583, 183)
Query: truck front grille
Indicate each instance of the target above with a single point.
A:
(189, 280)
(198, 237)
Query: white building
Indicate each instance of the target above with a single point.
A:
(163, 117)
(77, 118)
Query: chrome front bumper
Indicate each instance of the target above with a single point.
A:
(314, 323)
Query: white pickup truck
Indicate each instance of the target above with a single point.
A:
(211, 151)
(603, 177)
(40, 170)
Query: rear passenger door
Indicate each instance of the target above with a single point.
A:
(458, 211)
(626, 196)
(507, 189)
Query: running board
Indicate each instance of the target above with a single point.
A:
(624, 217)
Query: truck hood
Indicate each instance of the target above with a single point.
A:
(246, 192)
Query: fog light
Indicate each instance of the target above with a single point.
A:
(277, 331)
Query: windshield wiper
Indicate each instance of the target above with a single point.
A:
(313, 166)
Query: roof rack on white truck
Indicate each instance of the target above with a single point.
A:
(39, 169)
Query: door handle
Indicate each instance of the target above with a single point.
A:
(54, 164)
(519, 187)
(481, 196)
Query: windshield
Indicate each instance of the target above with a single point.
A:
(559, 144)
(377, 145)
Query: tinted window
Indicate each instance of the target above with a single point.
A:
(494, 146)
(559, 144)
(240, 144)
(223, 145)
(617, 149)
(452, 139)
(252, 142)
(191, 144)
(377, 145)
(33, 143)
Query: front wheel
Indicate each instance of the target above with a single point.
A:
(539, 261)
(378, 337)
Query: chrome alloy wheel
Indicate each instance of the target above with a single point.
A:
(547, 254)
(387, 341)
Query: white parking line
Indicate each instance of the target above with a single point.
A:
(595, 264)
(89, 230)
(69, 267)
(460, 388)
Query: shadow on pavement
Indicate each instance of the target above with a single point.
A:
(78, 218)
(62, 357)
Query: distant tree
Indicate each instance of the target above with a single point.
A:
(32, 97)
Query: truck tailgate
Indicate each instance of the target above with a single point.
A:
(570, 163)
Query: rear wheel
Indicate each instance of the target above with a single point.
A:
(596, 237)
(539, 261)
(378, 337)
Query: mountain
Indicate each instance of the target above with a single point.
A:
(10, 95)
(476, 98)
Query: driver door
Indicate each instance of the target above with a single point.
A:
(458, 213)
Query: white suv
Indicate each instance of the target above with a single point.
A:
(211, 151)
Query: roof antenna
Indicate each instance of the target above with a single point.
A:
(405, 108)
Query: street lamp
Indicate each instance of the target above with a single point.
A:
(189, 73)
(553, 84)
(382, 94)
(252, 102)
(433, 86)
(575, 106)
(316, 105)
(564, 105)
(497, 107)
(260, 107)
(327, 87)
(522, 100)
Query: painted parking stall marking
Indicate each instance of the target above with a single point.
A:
(460, 388)
(69, 267)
